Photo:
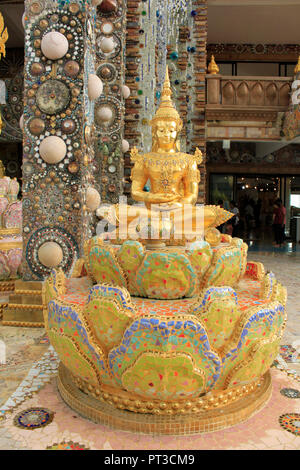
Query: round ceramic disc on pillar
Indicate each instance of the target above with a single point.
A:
(50, 254)
(95, 87)
(104, 114)
(125, 91)
(53, 149)
(54, 45)
(125, 145)
(107, 45)
(92, 198)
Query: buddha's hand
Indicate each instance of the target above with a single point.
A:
(169, 206)
(157, 198)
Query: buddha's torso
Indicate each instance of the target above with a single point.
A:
(166, 171)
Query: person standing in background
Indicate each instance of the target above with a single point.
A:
(284, 223)
(279, 215)
(235, 219)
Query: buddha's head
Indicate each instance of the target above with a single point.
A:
(166, 124)
(164, 135)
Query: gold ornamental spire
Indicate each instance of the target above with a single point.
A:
(167, 92)
(212, 68)
(166, 109)
(3, 37)
(297, 68)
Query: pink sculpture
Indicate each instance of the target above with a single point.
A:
(10, 228)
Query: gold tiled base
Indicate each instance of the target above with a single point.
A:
(7, 286)
(209, 421)
(25, 305)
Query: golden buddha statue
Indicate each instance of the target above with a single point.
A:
(173, 178)
(173, 175)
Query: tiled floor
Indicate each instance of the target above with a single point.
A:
(286, 267)
(27, 379)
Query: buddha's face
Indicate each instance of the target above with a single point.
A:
(166, 132)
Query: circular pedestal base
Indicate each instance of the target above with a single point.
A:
(184, 425)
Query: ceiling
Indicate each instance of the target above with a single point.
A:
(254, 21)
(229, 21)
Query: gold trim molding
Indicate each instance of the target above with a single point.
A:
(4, 232)
(24, 323)
(186, 423)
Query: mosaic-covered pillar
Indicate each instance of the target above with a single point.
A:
(184, 25)
(197, 86)
(133, 105)
(110, 108)
(160, 33)
(58, 150)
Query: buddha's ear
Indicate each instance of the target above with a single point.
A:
(178, 144)
(179, 125)
(154, 139)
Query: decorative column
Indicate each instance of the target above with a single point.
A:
(186, 24)
(146, 78)
(58, 193)
(174, 30)
(133, 105)
(169, 32)
(196, 87)
(110, 107)
(213, 83)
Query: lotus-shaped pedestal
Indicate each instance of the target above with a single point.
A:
(189, 357)
(170, 273)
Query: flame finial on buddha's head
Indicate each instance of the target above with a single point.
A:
(166, 109)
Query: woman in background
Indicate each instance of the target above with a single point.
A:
(279, 214)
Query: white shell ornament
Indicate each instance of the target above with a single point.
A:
(23, 19)
(107, 45)
(93, 198)
(125, 145)
(54, 45)
(95, 3)
(104, 114)
(21, 122)
(50, 254)
(53, 149)
(95, 87)
(125, 91)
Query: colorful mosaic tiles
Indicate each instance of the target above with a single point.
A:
(58, 115)
(33, 418)
(67, 446)
(247, 295)
(291, 422)
(209, 344)
(69, 431)
(290, 392)
(166, 274)
(289, 353)
(110, 68)
(40, 374)
(262, 431)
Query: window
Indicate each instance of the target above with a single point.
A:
(257, 69)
